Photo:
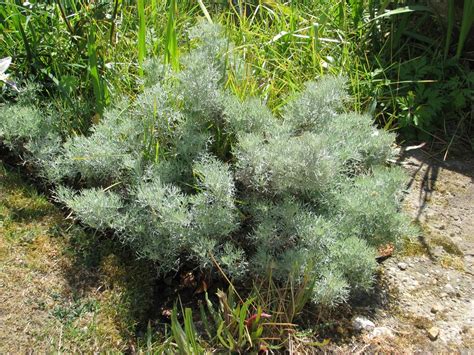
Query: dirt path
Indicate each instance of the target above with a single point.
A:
(427, 302)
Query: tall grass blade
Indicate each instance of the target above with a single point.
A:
(402, 10)
(17, 21)
(141, 35)
(449, 31)
(204, 10)
(62, 11)
(94, 73)
(466, 24)
(171, 41)
(178, 333)
(190, 331)
(117, 4)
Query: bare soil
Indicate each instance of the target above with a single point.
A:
(428, 286)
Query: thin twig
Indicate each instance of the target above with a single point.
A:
(225, 276)
(204, 10)
(63, 15)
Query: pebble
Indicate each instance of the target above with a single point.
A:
(433, 333)
(381, 332)
(437, 308)
(438, 252)
(469, 331)
(361, 323)
(402, 266)
(450, 290)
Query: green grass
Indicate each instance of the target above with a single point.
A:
(141, 34)
(466, 25)
(84, 54)
(171, 42)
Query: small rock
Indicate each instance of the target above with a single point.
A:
(433, 333)
(402, 266)
(469, 331)
(437, 308)
(381, 332)
(450, 290)
(361, 323)
(438, 252)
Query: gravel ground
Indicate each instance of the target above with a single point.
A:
(425, 300)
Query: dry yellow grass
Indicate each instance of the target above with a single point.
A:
(60, 288)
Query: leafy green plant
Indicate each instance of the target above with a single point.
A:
(238, 327)
(307, 194)
(261, 322)
(234, 326)
(430, 92)
(185, 339)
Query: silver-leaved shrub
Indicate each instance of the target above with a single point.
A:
(189, 174)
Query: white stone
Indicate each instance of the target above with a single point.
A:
(433, 333)
(361, 323)
(450, 290)
(437, 308)
(402, 266)
(383, 332)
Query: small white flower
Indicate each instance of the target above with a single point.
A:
(4, 64)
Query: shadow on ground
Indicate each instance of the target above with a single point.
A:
(425, 169)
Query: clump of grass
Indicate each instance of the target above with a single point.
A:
(449, 246)
(454, 262)
(396, 71)
(411, 247)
